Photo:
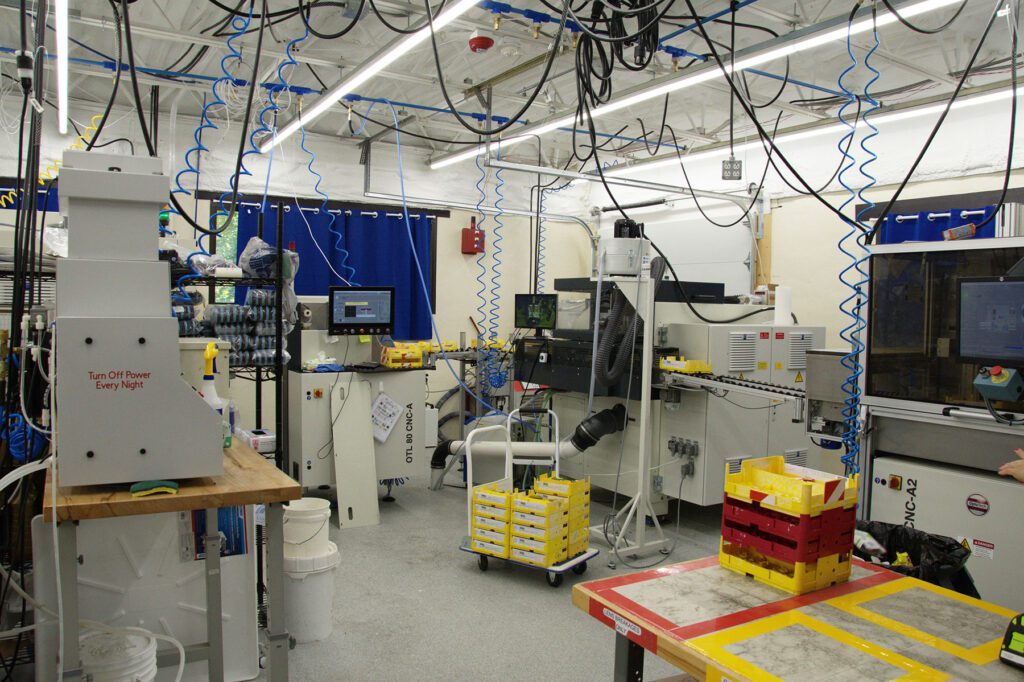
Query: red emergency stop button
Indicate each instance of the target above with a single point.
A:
(996, 371)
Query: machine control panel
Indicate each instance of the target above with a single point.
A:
(999, 383)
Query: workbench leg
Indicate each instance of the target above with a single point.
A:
(67, 539)
(277, 633)
(214, 610)
(629, 660)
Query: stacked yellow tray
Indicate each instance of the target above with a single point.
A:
(491, 517)
(576, 495)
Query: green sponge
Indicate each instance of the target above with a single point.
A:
(144, 488)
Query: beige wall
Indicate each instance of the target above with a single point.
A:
(806, 258)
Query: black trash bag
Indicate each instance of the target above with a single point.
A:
(936, 559)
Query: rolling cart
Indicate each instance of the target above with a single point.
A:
(555, 572)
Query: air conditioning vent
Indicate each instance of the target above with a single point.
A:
(797, 457)
(742, 351)
(799, 344)
(734, 463)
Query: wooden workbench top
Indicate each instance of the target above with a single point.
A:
(248, 478)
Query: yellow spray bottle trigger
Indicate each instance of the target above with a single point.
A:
(209, 354)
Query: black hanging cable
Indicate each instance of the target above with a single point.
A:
(731, 75)
(117, 78)
(305, 11)
(942, 119)
(753, 199)
(225, 224)
(555, 44)
(927, 31)
(763, 133)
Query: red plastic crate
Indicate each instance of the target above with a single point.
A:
(794, 539)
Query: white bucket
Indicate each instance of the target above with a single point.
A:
(309, 595)
(306, 523)
(108, 657)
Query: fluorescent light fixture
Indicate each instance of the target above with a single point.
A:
(61, 10)
(378, 63)
(713, 72)
(881, 119)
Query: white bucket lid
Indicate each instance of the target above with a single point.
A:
(101, 651)
(308, 504)
(313, 564)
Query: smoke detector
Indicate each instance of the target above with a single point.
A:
(509, 48)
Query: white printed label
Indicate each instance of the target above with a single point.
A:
(622, 626)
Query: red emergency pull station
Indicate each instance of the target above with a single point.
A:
(472, 238)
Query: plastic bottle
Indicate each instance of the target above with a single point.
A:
(208, 392)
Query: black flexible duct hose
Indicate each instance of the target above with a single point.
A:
(606, 376)
(587, 434)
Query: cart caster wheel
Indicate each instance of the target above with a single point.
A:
(554, 579)
(580, 568)
(481, 562)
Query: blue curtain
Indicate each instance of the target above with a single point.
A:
(365, 248)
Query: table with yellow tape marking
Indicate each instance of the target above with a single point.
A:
(718, 625)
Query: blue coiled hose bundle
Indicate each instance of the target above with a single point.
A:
(496, 377)
(485, 354)
(239, 26)
(853, 245)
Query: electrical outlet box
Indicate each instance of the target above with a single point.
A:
(732, 169)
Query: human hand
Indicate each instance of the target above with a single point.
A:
(1014, 468)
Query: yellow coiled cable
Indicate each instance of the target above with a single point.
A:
(51, 171)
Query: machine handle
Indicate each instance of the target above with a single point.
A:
(957, 413)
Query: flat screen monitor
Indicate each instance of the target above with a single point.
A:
(361, 311)
(536, 311)
(991, 321)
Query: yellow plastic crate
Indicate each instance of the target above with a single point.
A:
(487, 511)
(532, 503)
(790, 489)
(579, 517)
(538, 521)
(490, 523)
(577, 548)
(672, 363)
(493, 495)
(494, 536)
(798, 578)
(579, 535)
(563, 487)
(490, 548)
(524, 531)
(555, 546)
(536, 558)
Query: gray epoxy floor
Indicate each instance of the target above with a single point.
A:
(410, 606)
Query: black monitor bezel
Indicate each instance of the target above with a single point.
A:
(971, 359)
(515, 311)
(349, 329)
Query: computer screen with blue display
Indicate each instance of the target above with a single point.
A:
(361, 311)
(992, 321)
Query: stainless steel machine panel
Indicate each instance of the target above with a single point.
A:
(983, 510)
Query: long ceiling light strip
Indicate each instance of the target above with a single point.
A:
(382, 60)
(835, 128)
(61, 10)
(713, 72)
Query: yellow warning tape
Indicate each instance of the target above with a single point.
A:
(713, 646)
(982, 654)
